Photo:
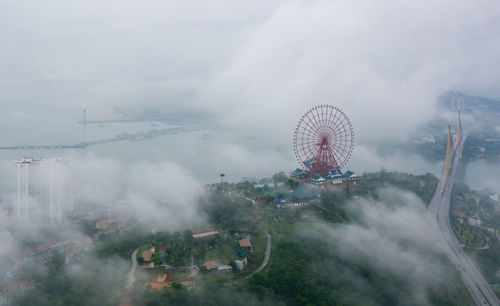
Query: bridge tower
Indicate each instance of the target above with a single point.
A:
(447, 163)
(459, 130)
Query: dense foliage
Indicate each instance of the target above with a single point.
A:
(211, 293)
(422, 185)
(309, 272)
(91, 283)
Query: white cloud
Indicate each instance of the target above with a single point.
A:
(392, 236)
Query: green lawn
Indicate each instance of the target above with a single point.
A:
(142, 249)
(259, 246)
(224, 253)
(468, 235)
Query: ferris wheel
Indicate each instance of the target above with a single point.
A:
(323, 139)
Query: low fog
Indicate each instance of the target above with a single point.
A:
(392, 236)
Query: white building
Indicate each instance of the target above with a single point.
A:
(474, 221)
(44, 189)
(241, 263)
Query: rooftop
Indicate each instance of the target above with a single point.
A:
(211, 265)
(205, 234)
(241, 253)
(349, 174)
(244, 243)
(147, 255)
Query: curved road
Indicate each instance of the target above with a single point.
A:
(131, 273)
(439, 218)
(267, 256)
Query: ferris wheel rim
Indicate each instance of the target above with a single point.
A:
(324, 121)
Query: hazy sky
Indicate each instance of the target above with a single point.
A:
(252, 63)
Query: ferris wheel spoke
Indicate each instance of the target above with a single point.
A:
(305, 128)
(343, 143)
(308, 137)
(318, 117)
(311, 142)
(333, 116)
(324, 114)
(342, 129)
(339, 137)
(308, 152)
(343, 147)
(309, 133)
(309, 157)
(339, 152)
(335, 161)
(329, 119)
(340, 155)
(337, 123)
(312, 123)
(307, 123)
(315, 117)
(308, 146)
(311, 129)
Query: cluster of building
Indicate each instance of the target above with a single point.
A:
(212, 267)
(292, 205)
(13, 290)
(112, 225)
(335, 177)
(463, 218)
(216, 268)
(71, 249)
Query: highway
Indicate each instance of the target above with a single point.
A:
(439, 218)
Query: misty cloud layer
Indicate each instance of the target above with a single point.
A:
(384, 63)
(390, 235)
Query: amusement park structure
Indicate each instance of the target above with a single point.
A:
(323, 143)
